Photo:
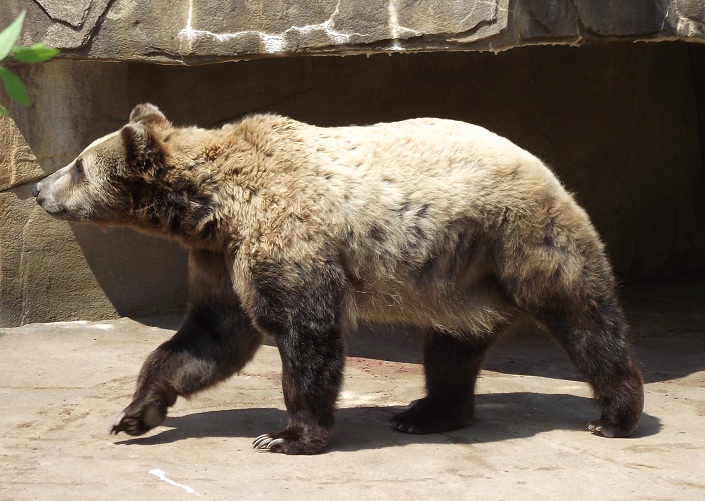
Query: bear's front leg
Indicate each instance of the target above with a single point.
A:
(215, 341)
(211, 346)
(300, 308)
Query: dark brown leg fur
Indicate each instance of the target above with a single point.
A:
(216, 340)
(595, 342)
(300, 309)
(564, 280)
(451, 365)
(211, 346)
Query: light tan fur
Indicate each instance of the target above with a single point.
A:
(304, 191)
(288, 190)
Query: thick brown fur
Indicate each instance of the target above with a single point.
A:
(300, 232)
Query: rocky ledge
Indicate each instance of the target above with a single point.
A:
(200, 31)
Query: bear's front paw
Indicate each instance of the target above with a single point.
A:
(292, 441)
(138, 419)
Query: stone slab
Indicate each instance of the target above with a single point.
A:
(195, 32)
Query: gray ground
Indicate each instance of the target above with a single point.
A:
(61, 384)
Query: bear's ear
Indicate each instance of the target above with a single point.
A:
(144, 151)
(147, 113)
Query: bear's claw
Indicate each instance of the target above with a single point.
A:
(602, 428)
(266, 443)
(402, 426)
(139, 421)
(117, 426)
(292, 441)
(132, 425)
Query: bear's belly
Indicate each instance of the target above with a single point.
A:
(479, 307)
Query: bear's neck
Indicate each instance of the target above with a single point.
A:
(204, 194)
(176, 209)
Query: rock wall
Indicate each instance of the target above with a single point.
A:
(198, 31)
(52, 271)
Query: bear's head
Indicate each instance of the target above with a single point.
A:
(126, 178)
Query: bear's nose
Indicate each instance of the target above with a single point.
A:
(35, 189)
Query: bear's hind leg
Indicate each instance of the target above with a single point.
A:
(596, 343)
(452, 364)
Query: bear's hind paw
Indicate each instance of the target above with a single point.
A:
(427, 416)
(609, 430)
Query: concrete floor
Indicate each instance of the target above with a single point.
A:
(62, 383)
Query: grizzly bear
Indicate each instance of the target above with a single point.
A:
(300, 232)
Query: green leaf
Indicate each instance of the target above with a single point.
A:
(9, 35)
(37, 53)
(3, 110)
(14, 86)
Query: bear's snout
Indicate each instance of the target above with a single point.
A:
(51, 192)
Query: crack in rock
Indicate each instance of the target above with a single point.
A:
(273, 42)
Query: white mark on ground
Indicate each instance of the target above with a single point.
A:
(161, 475)
(82, 323)
(273, 42)
(103, 327)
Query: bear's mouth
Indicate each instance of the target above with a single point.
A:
(56, 211)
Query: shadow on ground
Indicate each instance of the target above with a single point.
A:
(499, 417)
(667, 331)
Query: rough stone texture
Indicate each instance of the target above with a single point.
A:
(618, 123)
(19, 163)
(196, 31)
(50, 270)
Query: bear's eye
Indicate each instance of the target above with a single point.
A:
(78, 166)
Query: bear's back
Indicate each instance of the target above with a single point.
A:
(415, 209)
